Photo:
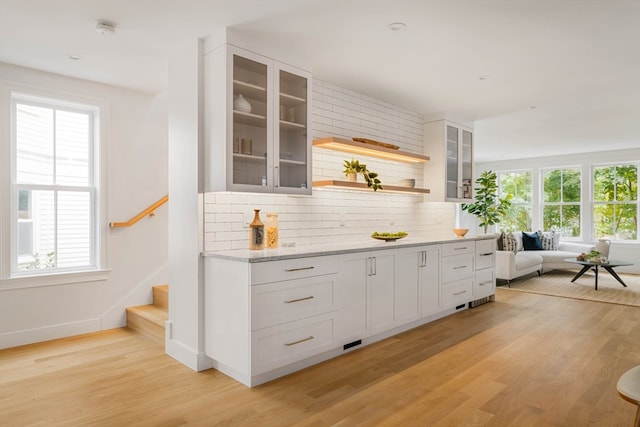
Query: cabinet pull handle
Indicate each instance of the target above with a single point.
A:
(485, 283)
(460, 293)
(299, 269)
(487, 254)
(291, 301)
(460, 249)
(374, 267)
(309, 338)
(277, 176)
(459, 268)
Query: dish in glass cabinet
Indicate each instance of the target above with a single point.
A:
(389, 237)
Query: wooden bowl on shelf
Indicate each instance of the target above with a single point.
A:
(460, 232)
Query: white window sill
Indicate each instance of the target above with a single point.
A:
(37, 281)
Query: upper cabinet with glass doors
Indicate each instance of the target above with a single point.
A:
(256, 128)
(450, 173)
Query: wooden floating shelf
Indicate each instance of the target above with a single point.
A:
(350, 185)
(356, 147)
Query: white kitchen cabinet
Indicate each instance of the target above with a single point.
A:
(449, 175)
(366, 288)
(429, 278)
(410, 277)
(458, 273)
(257, 113)
(485, 283)
(381, 290)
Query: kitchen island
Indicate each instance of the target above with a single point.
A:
(272, 312)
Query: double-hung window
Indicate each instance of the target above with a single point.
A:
(54, 182)
(615, 201)
(561, 202)
(519, 185)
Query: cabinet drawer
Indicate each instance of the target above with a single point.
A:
(284, 344)
(458, 248)
(485, 254)
(278, 271)
(485, 283)
(457, 267)
(457, 293)
(281, 302)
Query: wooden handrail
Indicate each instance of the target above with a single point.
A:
(149, 211)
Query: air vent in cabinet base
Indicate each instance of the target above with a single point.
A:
(482, 301)
(351, 344)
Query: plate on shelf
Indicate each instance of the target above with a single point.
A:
(389, 237)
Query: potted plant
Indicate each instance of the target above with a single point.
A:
(353, 167)
(488, 207)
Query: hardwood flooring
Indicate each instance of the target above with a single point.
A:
(524, 360)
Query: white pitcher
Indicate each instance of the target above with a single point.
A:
(603, 247)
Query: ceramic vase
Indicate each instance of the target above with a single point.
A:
(603, 246)
(241, 104)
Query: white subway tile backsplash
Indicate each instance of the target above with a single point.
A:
(332, 215)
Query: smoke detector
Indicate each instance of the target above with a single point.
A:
(104, 27)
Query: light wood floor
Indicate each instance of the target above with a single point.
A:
(524, 360)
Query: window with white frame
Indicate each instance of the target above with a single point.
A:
(615, 201)
(561, 201)
(53, 186)
(518, 184)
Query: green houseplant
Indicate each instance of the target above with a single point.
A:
(354, 167)
(488, 207)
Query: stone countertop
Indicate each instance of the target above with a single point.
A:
(303, 251)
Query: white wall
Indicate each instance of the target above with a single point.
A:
(629, 251)
(339, 215)
(136, 177)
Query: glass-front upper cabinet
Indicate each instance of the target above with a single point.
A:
(293, 171)
(256, 127)
(450, 172)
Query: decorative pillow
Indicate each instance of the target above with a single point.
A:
(509, 242)
(549, 240)
(499, 242)
(531, 241)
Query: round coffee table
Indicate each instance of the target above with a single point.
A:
(587, 265)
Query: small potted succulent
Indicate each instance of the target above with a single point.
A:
(353, 167)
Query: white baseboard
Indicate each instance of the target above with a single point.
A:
(30, 336)
(185, 355)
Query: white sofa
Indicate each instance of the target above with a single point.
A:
(511, 265)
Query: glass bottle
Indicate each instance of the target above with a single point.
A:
(256, 232)
(272, 230)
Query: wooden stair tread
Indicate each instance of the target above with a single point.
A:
(153, 313)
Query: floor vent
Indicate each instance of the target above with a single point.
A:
(352, 344)
(482, 301)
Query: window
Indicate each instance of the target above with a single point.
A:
(561, 201)
(518, 184)
(615, 201)
(53, 186)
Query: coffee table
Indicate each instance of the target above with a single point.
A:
(609, 266)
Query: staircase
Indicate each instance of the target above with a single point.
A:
(149, 320)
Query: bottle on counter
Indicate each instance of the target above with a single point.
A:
(272, 230)
(256, 232)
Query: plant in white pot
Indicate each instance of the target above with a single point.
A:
(488, 207)
(353, 167)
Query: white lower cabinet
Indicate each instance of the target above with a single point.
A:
(269, 318)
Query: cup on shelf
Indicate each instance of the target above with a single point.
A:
(246, 146)
(291, 114)
(236, 145)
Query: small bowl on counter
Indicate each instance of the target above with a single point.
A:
(460, 232)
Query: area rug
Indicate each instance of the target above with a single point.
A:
(558, 283)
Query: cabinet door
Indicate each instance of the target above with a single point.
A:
(292, 148)
(453, 162)
(251, 136)
(407, 285)
(351, 297)
(381, 276)
(430, 282)
(466, 165)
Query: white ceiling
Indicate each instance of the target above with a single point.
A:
(538, 77)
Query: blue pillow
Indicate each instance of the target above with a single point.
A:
(531, 241)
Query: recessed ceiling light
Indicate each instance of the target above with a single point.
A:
(73, 57)
(397, 26)
(104, 27)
